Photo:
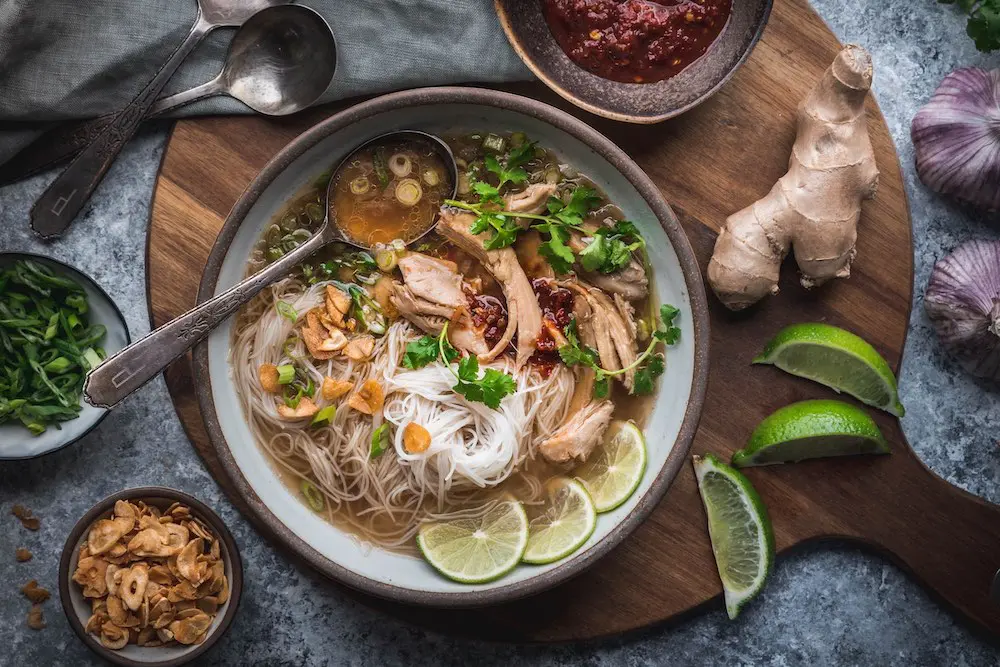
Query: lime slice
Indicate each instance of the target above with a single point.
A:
(810, 430)
(561, 527)
(615, 468)
(741, 534)
(837, 358)
(475, 551)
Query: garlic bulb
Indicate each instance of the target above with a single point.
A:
(957, 138)
(963, 303)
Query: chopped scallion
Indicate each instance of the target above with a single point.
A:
(286, 374)
(312, 495)
(285, 310)
(324, 416)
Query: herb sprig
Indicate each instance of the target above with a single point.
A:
(650, 364)
(490, 388)
(609, 249)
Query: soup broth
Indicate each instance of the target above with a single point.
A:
(389, 191)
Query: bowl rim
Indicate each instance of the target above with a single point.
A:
(121, 319)
(505, 22)
(451, 95)
(202, 511)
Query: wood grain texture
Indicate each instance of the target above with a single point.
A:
(709, 162)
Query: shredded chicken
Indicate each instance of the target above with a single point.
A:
(433, 296)
(577, 437)
(524, 315)
(613, 333)
(532, 199)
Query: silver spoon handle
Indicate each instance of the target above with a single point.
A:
(66, 140)
(63, 199)
(120, 375)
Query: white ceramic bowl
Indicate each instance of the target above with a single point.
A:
(670, 427)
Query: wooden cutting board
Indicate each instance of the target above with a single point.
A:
(708, 163)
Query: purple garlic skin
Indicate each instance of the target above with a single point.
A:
(956, 136)
(963, 303)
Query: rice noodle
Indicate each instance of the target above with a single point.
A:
(474, 449)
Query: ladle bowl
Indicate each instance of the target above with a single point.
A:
(125, 372)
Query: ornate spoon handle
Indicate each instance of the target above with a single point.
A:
(108, 384)
(63, 199)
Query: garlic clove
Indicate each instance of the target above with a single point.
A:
(956, 137)
(962, 301)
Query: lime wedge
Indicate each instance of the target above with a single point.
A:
(615, 468)
(475, 551)
(837, 358)
(741, 534)
(809, 430)
(562, 525)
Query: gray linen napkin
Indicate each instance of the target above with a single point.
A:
(63, 59)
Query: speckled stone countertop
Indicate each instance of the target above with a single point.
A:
(823, 606)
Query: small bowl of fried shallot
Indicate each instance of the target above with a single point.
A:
(150, 577)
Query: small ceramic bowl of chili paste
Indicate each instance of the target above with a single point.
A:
(639, 61)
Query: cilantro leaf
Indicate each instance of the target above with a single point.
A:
(521, 155)
(487, 193)
(595, 255)
(421, 352)
(573, 352)
(489, 389)
(665, 331)
(602, 386)
(582, 201)
(468, 369)
(645, 377)
(504, 229)
(554, 249)
(495, 386)
(511, 171)
(619, 255)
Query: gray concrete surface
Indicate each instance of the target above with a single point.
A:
(823, 606)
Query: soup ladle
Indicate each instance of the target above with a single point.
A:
(279, 62)
(120, 375)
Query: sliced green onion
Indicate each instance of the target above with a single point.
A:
(78, 301)
(286, 310)
(409, 192)
(430, 177)
(381, 441)
(494, 143)
(386, 259)
(286, 374)
(92, 358)
(58, 365)
(325, 415)
(360, 185)
(314, 211)
(518, 138)
(53, 327)
(312, 495)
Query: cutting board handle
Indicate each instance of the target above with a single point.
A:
(948, 538)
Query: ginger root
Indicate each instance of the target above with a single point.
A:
(814, 208)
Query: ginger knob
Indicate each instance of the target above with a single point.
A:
(813, 209)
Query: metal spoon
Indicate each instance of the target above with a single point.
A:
(279, 62)
(63, 199)
(120, 375)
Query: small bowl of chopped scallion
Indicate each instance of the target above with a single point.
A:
(55, 325)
